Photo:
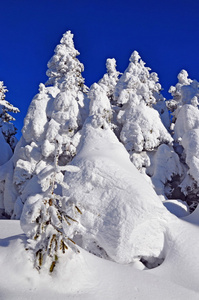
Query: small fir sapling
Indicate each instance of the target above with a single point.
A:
(46, 221)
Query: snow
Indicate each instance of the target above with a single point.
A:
(84, 276)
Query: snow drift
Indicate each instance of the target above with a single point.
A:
(122, 217)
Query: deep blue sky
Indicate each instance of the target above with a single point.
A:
(165, 33)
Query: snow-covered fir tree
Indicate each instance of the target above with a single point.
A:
(185, 128)
(55, 115)
(7, 127)
(145, 121)
(45, 220)
(137, 91)
(7, 141)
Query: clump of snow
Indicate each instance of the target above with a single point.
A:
(142, 128)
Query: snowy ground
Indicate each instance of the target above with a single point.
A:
(85, 276)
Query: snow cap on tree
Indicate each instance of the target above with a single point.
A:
(186, 91)
(100, 107)
(137, 79)
(110, 79)
(135, 57)
(183, 77)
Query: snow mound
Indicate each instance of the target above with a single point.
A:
(122, 217)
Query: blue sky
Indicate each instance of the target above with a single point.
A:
(165, 33)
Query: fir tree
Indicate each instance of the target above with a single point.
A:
(137, 91)
(144, 121)
(8, 142)
(56, 113)
(185, 126)
(6, 125)
(45, 220)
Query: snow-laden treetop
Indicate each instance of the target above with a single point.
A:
(138, 81)
(64, 64)
(186, 90)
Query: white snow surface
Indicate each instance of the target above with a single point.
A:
(84, 276)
